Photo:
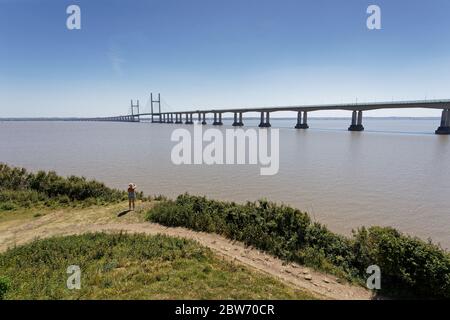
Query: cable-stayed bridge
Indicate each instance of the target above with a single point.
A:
(157, 115)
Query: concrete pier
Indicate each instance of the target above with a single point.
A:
(170, 118)
(189, 118)
(240, 123)
(302, 124)
(444, 128)
(238, 119)
(356, 124)
(217, 120)
(178, 118)
(235, 122)
(265, 122)
(204, 118)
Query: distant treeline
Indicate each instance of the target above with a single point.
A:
(409, 266)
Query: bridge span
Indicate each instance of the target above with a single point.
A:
(302, 111)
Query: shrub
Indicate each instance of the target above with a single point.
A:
(4, 286)
(407, 263)
(22, 189)
(7, 206)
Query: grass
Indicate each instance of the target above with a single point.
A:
(120, 266)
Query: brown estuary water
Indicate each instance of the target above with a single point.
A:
(396, 173)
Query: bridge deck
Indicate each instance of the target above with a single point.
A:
(427, 104)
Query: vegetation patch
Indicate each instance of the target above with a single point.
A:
(408, 265)
(121, 266)
(4, 286)
(20, 189)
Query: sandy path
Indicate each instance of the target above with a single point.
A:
(89, 220)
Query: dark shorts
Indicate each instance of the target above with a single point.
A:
(131, 195)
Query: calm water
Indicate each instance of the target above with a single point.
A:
(395, 173)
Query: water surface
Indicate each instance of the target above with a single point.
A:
(396, 173)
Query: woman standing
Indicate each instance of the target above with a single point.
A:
(131, 195)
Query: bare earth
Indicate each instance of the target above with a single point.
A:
(98, 219)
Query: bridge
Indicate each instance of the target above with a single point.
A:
(157, 116)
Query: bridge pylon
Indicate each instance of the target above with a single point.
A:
(133, 108)
(158, 103)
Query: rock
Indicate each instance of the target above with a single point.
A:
(307, 277)
(326, 280)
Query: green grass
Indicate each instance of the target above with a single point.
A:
(120, 266)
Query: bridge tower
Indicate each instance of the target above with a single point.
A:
(158, 103)
(133, 108)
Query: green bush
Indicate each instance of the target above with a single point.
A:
(19, 188)
(4, 286)
(407, 264)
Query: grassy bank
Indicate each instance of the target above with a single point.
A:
(119, 266)
(409, 266)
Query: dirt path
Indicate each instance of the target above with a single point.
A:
(105, 219)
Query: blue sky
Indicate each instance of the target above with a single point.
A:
(217, 53)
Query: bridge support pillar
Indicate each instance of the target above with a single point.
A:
(240, 123)
(189, 118)
(217, 121)
(178, 118)
(199, 117)
(300, 124)
(204, 118)
(265, 123)
(356, 121)
(170, 118)
(444, 128)
(235, 122)
(238, 120)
